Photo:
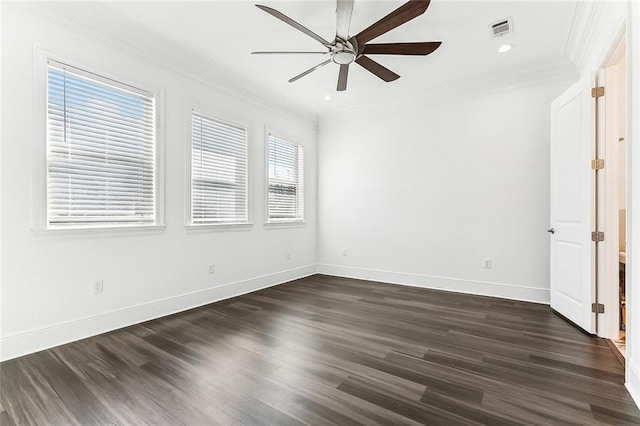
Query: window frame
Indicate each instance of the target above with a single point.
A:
(40, 218)
(222, 115)
(289, 138)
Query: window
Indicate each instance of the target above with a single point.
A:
(100, 151)
(286, 181)
(218, 171)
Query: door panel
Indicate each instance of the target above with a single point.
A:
(568, 271)
(571, 198)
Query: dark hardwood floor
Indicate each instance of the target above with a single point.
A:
(326, 350)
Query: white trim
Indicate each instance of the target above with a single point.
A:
(457, 285)
(39, 339)
(609, 148)
(286, 224)
(617, 44)
(151, 46)
(633, 198)
(161, 206)
(41, 55)
(608, 26)
(210, 227)
(633, 380)
(89, 231)
(35, 340)
(39, 126)
(583, 21)
(531, 75)
(571, 28)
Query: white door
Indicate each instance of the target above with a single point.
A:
(572, 289)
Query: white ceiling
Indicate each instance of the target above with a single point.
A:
(225, 32)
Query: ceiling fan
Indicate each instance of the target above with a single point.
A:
(345, 49)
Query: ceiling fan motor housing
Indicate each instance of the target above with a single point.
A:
(343, 52)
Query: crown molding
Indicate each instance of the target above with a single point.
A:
(584, 18)
(531, 75)
(126, 35)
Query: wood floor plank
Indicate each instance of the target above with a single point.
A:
(423, 413)
(328, 350)
(359, 410)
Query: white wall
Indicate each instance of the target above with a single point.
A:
(423, 194)
(633, 203)
(47, 277)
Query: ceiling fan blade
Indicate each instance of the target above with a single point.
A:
(423, 48)
(310, 70)
(403, 14)
(284, 18)
(342, 77)
(344, 10)
(375, 68)
(289, 53)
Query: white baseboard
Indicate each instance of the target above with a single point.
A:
(48, 337)
(36, 340)
(633, 380)
(484, 288)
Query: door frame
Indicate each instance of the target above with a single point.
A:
(607, 148)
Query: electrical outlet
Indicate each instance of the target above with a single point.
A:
(486, 263)
(98, 286)
(288, 255)
(344, 252)
(212, 268)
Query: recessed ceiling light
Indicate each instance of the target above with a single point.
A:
(327, 98)
(504, 48)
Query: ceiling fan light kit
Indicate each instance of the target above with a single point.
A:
(344, 49)
(344, 57)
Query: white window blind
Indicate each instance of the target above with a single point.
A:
(218, 171)
(100, 150)
(286, 180)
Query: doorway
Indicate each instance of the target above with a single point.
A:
(614, 195)
(588, 203)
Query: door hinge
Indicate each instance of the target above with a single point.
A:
(597, 164)
(597, 308)
(597, 236)
(597, 92)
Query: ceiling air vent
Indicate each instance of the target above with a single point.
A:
(502, 27)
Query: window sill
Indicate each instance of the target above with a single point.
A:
(288, 224)
(217, 227)
(115, 230)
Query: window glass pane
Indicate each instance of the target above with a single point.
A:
(218, 171)
(286, 180)
(100, 151)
